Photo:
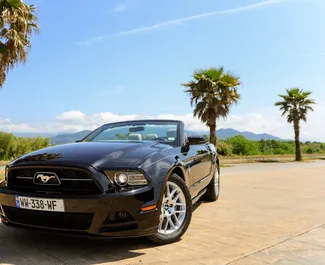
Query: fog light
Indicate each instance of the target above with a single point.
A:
(121, 179)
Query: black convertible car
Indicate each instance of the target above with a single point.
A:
(124, 179)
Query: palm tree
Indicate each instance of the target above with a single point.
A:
(212, 92)
(17, 23)
(295, 105)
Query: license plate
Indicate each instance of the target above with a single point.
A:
(40, 204)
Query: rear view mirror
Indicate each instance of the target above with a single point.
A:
(136, 129)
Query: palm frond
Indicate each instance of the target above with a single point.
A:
(295, 104)
(18, 21)
(212, 92)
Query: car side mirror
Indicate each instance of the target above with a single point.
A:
(194, 140)
(185, 146)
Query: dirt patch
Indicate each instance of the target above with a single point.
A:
(267, 159)
(3, 163)
(2, 173)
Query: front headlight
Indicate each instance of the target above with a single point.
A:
(136, 179)
(127, 178)
(121, 179)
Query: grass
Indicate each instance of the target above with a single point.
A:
(267, 159)
(225, 165)
(2, 170)
(2, 174)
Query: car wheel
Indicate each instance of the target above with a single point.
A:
(214, 186)
(176, 212)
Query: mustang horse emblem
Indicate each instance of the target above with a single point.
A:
(44, 178)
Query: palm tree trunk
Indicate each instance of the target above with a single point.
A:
(213, 136)
(297, 140)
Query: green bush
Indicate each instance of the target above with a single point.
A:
(12, 147)
(242, 146)
(310, 150)
(223, 148)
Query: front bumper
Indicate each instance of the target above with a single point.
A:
(96, 215)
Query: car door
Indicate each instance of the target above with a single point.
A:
(201, 168)
(197, 161)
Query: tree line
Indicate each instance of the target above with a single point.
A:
(12, 146)
(241, 146)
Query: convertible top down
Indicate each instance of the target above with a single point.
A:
(124, 179)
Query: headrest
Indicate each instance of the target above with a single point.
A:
(152, 136)
(135, 136)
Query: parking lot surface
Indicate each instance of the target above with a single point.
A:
(267, 214)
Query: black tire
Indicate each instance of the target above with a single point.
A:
(160, 238)
(212, 194)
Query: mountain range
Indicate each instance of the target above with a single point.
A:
(221, 134)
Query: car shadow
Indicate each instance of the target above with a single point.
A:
(49, 248)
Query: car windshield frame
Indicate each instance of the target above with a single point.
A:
(104, 127)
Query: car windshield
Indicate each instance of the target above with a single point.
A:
(161, 131)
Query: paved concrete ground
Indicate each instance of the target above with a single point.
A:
(267, 214)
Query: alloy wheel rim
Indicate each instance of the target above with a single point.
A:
(173, 209)
(216, 182)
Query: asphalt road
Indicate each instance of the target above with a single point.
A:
(267, 214)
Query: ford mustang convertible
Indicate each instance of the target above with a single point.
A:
(124, 179)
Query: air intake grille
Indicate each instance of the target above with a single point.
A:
(69, 221)
(73, 181)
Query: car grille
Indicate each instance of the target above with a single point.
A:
(73, 181)
(69, 221)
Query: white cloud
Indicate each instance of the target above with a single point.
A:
(198, 17)
(264, 121)
(72, 115)
(8, 126)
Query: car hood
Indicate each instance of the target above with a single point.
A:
(102, 155)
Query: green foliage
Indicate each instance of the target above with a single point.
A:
(121, 136)
(272, 147)
(295, 105)
(12, 147)
(239, 145)
(212, 91)
(18, 21)
(242, 146)
(313, 148)
(223, 148)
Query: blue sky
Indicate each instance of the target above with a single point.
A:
(99, 61)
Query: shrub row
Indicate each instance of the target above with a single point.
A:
(239, 145)
(12, 147)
